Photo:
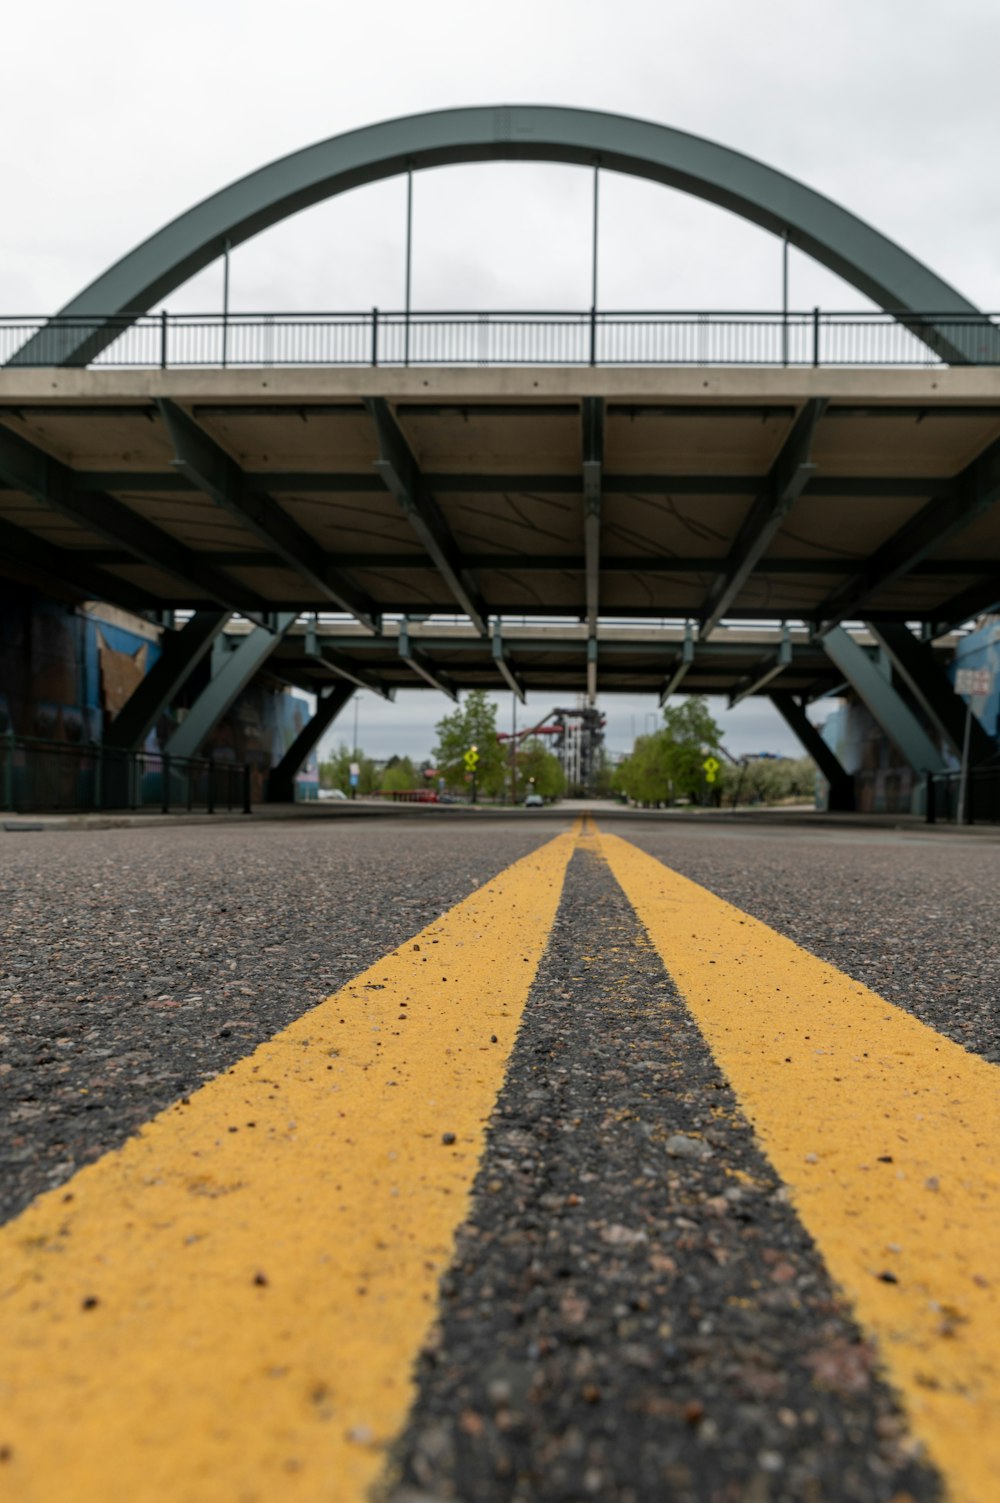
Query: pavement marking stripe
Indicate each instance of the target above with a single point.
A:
(887, 1135)
(210, 1312)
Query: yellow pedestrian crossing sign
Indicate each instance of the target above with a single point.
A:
(711, 766)
(471, 759)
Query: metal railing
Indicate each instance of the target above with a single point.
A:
(39, 776)
(982, 796)
(372, 338)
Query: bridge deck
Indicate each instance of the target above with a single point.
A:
(756, 494)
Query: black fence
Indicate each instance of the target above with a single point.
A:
(592, 337)
(39, 777)
(982, 796)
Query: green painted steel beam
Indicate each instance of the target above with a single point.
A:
(841, 783)
(281, 781)
(814, 224)
(226, 685)
(180, 654)
(210, 469)
(504, 665)
(769, 670)
(592, 465)
(346, 668)
(71, 570)
(931, 687)
(789, 476)
(401, 474)
(884, 703)
(977, 490)
(416, 657)
(982, 598)
(51, 482)
(310, 482)
(680, 668)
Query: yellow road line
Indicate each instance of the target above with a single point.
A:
(888, 1136)
(228, 1308)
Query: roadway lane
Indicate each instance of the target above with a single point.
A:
(645, 1299)
(914, 918)
(634, 1310)
(137, 964)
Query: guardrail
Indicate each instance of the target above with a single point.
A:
(39, 776)
(374, 337)
(982, 796)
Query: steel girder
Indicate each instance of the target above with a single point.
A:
(281, 781)
(401, 474)
(504, 665)
(884, 703)
(71, 570)
(792, 711)
(361, 678)
(29, 469)
(979, 599)
(876, 487)
(180, 654)
(767, 673)
(416, 658)
(930, 686)
(209, 468)
(833, 236)
(789, 476)
(975, 491)
(226, 685)
(680, 668)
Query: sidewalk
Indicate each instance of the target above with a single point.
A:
(797, 818)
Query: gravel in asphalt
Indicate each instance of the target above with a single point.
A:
(634, 1311)
(136, 964)
(916, 920)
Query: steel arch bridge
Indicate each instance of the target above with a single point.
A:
(649, 506)
(839, 240)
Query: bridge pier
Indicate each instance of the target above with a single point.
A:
(841, 797)
(226, 685)
(281, 783)
(887, 707)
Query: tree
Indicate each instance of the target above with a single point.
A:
(473, 723)
(399, 775)
(538, 771)
(336, 771)
(669, 764)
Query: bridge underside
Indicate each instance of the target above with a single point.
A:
(591, 512)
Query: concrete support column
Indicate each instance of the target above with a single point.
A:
(281, 783)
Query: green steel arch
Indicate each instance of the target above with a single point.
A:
(524, 133)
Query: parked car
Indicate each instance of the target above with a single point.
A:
(534, 801)
(332, 793)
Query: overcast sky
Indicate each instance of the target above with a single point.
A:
(116, 117)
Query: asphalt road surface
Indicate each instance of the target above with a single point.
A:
(513, 1160)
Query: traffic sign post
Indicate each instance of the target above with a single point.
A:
(471, 760)
(969, 682)
(354, 777)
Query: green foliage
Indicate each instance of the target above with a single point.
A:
(770, 781)
(472, 723)
(538, 771)
(336, 772)
(668, 765)
(399, 775)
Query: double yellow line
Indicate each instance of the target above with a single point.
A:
(230, 1305)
